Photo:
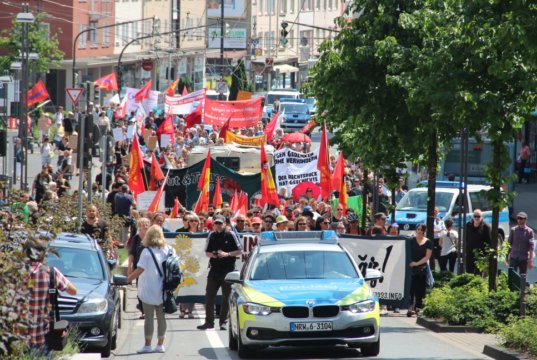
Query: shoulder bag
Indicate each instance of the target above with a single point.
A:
(56, 337)
(168, 300)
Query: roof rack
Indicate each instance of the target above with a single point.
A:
(281, 237)
(443, 183)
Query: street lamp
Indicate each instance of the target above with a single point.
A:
(25, 17)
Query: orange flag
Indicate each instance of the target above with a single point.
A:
(170, 91)
(338, 181)
(223, 131)
(153, 207)
(175, 209)
(217, 197)
(243, 203)
(323, 164)
(144, 92)
(107, 82)
(269, 195)
(136, 181)
(203, 185)
(234, 203)
(155, 175)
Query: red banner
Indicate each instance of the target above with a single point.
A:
(242, 113)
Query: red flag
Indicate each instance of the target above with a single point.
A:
(194, 117)
(323, 164)
(268, 188)
(175, 209)
(234, 203)
(153, 207)
(107, 82)
(121, 111)
(185, 91)
(136, 181)
(217, 197)
(274, 124)
(170, 91)
(155, 175)
(338, 181)
(308, 127)
(203, 185)
(243, 203)
(37, 93)
(224, 129)
(144, 92)
(166, 127)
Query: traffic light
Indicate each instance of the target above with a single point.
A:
(284, 33)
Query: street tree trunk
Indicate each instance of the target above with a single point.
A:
(431, 186)
(497, 146)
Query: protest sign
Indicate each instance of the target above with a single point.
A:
(130, 131)
(118, 134)
(293, 168)
(242, 113)
(165, 140)
(145, 199)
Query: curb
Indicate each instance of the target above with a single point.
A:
(501, 353)
(439, 327)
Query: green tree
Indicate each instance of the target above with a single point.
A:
(239, 81)
(41, 42)
(185, 81)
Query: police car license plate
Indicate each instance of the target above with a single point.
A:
(311, 326)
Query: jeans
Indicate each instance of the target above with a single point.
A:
(214, 282)
(450, 258)
(519, 265)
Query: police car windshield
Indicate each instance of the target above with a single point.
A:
(77, 263)
(417, 201)
(302, 265)
(294, 108)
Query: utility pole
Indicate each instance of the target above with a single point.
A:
(222, 38)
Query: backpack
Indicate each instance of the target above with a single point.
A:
(171, 270)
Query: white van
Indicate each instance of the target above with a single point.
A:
(278, 94)
(411, 211)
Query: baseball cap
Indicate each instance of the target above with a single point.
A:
(219, 219)
(522, 214)
(256, 220)
(307, 211)
(289, 208)
(281, 219)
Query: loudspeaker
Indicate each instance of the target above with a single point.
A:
(3, 142)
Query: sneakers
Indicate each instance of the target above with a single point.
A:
(223, 327)
(145, 350)
(160, 349)
(205, 327)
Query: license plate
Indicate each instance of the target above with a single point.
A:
(311, 326)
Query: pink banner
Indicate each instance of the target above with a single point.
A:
(242, 113)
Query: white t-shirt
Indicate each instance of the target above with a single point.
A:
(150, 282)
(449, 239)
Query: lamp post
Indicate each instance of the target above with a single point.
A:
(25, 17)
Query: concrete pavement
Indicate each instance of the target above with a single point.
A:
(526, 200)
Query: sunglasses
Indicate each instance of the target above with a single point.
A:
(256, 225)
(477, 216)
(326, 222)
(520, 218)
(302, 224)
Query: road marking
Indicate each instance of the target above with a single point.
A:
(221, 351)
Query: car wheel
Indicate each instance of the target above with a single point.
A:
(244, 351)
(372, 349)
(233, 344)
(114, 330)
(107, 350)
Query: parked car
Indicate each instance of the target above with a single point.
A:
(302, 288)
(95, 311)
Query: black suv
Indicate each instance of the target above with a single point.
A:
(95, 311)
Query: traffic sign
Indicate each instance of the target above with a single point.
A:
(74, 94)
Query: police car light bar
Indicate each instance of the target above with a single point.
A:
(443, 184)
(278, 237)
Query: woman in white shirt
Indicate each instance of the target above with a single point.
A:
(150, 286)
(448, 243)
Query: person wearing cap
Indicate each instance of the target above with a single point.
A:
(288, 212)
(222, 249)
(379, 225)
(522, 241)
(281, 223)
(256, 224)
(478, 234)
(354, 228)
(39, 298)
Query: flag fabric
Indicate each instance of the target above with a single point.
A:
(243, 203)
(185, 91)
(194, 117)
(37, 93)
(308, 127)
(121, 111)
(136, 181)
(223, 131)
(234, 203)
(203, 185)
(269, 195)
(144, 92)
(217, 197)
(175, 209)
(323, 164)
(107, 82)
(166, 127)
(338, 181)
(153, 207)
(170, 91)
(155, 175)
(274, 124)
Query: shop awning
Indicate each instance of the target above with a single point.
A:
(285, 68)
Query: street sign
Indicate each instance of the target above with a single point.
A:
(221, 87)
(74, 94)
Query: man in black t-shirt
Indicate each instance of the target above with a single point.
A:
(222, 249)
(96, 228)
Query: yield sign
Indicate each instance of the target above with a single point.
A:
(74, 94)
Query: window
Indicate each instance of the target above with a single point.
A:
(93, 34)
(260, 7)
(283, 6)
(125, 35)
(318, 4)
(479, 201)
(330, 4)
(106, 35)
(270, 6)
(45, 27)
(82, 38)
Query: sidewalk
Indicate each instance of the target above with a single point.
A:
(526, 200)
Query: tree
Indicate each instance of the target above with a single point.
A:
(41, 42)
(239, 81)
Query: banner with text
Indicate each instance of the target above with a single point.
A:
(181, 105)
(244, 140)
(243, 113)
(293, 168)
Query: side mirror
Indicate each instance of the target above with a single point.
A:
(233, 277)
(120, 280)
(373, 274)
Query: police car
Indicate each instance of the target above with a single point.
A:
(301, 288)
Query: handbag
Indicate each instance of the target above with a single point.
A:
(168, 300)
(56, 337)
(429, 281)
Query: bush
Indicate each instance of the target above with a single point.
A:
(465, 300)
(520, 335)
(441, 278)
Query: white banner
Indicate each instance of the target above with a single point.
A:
(387, 256)
(145, 199)
(181, 105)
(293, 168)
(148, 103)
